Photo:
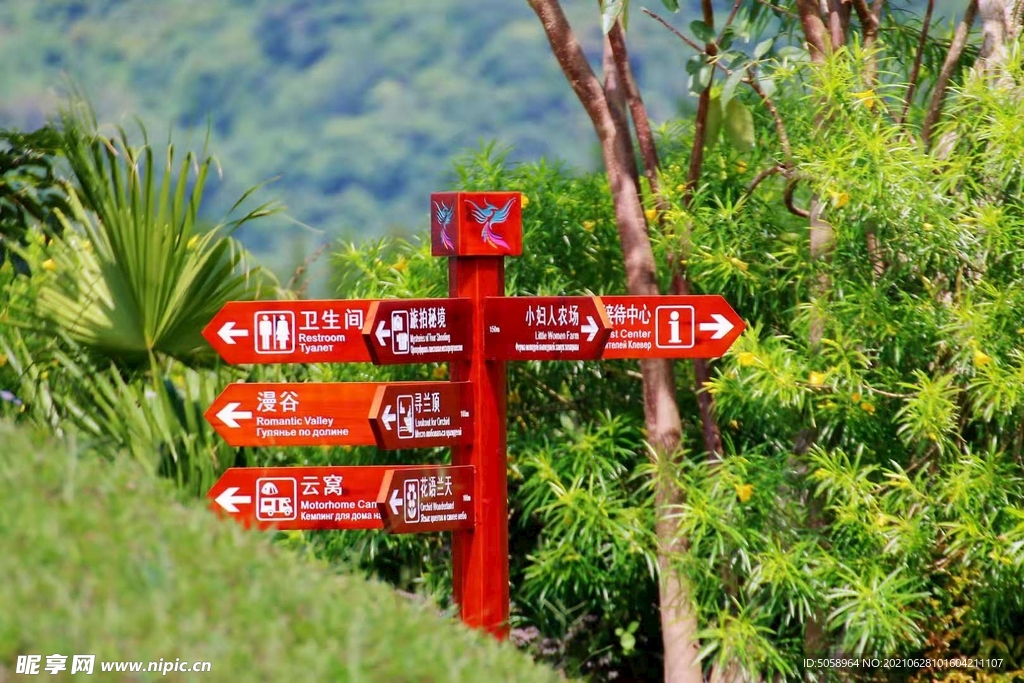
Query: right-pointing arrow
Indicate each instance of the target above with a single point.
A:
(590, 329)
(720, 327)
(229, 414)
(395, 502)
(228, 499)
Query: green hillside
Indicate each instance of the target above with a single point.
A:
(102, 558)
(358, 106)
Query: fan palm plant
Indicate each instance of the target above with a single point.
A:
(142, 278)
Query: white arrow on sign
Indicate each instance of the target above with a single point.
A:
(228, 499)
(382, 333)
(227, 332)
(591, 328)
(395, 502)
(720, 327)
(229, 415)
(388, 418)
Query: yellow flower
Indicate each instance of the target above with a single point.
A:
(48, 264)
(681, 187)
(741, 166)
(739, 264)
(855, 396)
(981, 358)
(651, 214)
(840, 199)
(401, 264)
(588, 226)
(744, 492)
(816, 379)
(746, 358)
(440, 372)
(525, 200)
(734, 424)
(867, 98)
(928, 227)
(867, 408)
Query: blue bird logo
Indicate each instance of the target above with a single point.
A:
(444, 214)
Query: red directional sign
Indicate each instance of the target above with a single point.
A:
(701, 326)
(340, 331)
(390, 415)
(412, 500)
(334, 497)
(545, 328)
(322, 331)
(418, 330)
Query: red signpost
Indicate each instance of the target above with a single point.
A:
(390, 415)
(476, 331)
(341, 497)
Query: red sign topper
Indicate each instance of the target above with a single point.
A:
(476, 224)
(389, 415)
(340, 331)
(545, 328)
(343, 497)
(700, 326)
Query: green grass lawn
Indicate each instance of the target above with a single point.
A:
(101, 558)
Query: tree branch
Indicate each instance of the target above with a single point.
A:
(679, 34)
(613, 90)
(915, 70)
(956, 48)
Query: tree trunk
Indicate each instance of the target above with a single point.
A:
(679, 624)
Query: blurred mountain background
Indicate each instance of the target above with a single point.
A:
(358, 108)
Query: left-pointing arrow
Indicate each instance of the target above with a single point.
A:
(228, 500)
(721, 327)
(395, 502)
(227, 332)
(230, 414)
(388, 418)
(382, 333)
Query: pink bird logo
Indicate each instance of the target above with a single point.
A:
(489, 215)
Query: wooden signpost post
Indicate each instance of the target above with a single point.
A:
(476, 330)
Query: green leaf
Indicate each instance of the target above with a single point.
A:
(694, 64)
(702, 31)
(611, 11)
(793, 53)
(763, 47)
(713, 124)
(671, 5)
(731, 83)
(728, 35)
(739, 125)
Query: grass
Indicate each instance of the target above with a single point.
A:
(99, 557)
